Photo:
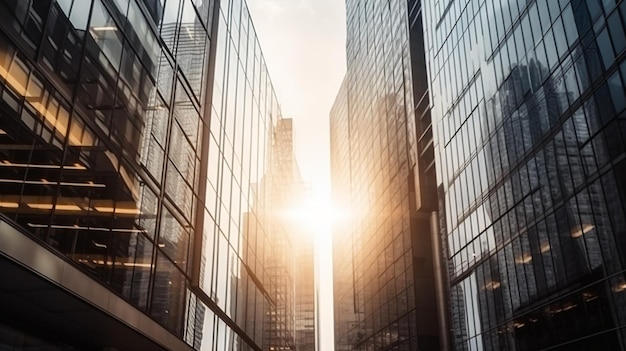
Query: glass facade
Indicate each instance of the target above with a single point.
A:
(383, 171)
(284, 178)
(305, 291)
(139, 141)
(528, 107)
(346, 321)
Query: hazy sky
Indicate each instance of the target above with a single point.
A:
(303, 42)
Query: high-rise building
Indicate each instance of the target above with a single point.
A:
(280, 263)
(528, 106)
(382, 166)
(305, 290)
(345, 318)
(138, 141)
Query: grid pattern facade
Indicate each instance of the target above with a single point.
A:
(528, 106)
(238, 239)
(305, 291)
(384, 252)
(285, 178)
(136, 141)
(346, 321)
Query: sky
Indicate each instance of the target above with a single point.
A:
(303, 42)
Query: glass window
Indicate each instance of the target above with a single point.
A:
(617, 92)
(66, 5)
(606, 50)
(554, 9)
(174, 239)
(592, 56)
(544, 14)
(204, 9)
(193, 38)
(168, 26)
(186, 114)
(617, 32)
(569, 23)
(559, 37)
(608, 5)
(122, 5)
(603, 101)
(179, 191)
(221, 278)
(527, 32)
(553, 57)
(106, 34)
(571, 85)
(542, 61)
(79, 14)
(506, 15)
(166, 77)
(535, 22)
(581, 73)
(140, 264)
(168, 295)
(594, 9)
(143, 39)
(614, 206)
(511, 58)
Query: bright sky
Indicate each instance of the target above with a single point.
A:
(303, 42)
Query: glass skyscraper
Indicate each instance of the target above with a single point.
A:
(305, 291)
(528, 107)
(382, 165)
(138, 186)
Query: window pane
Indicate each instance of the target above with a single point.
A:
(168, 295)
(105, 33)
(606, 50)
(617, 92)
(617, 32)
(79, 14)
(559, 38)
(174, 239)
(570, 25)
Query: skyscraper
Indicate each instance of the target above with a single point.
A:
(305, 291)
(382, 166)
(138, 140)
(287, 185)
(528, 111)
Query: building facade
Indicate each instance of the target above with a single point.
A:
(286, 186)
(382, 166)
(305, 317)
(528, 107)
(136, 148)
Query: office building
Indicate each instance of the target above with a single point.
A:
(345, 318)
(286, 186)
(528, 112)
(136, 177)
(383, 173)
(305, 291)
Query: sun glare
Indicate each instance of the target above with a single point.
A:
(317, 214)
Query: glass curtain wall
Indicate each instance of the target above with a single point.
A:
(305, 290)
(385, 250)
(528, 101)
(132, 133)
(345, 319)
